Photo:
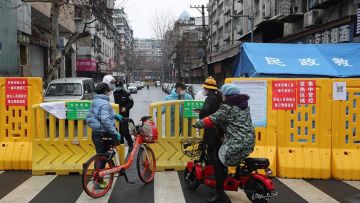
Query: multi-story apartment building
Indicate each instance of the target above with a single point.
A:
(96, 53)
(124, 43)
(289, 21)
(148, 59)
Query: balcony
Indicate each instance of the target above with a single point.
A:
(322, 4)
(291, 11)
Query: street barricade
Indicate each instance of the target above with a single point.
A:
(17, 95)
(172, 127)
(61, 146)
(346, 130)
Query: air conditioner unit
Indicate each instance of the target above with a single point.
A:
(312, 18)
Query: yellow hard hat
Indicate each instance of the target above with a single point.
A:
(210, 83)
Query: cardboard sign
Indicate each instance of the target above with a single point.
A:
(306, 91)
(189, 107)
(16, 92)
(284, 95)
(77, 110)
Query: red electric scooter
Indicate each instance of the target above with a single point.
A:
(257, 187)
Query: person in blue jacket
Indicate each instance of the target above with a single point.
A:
(178, 93)
(101, 119)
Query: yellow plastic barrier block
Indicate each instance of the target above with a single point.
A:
(61, 146)
(345, 162)
(17, 95)
(172, 129)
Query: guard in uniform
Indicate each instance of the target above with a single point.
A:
(125, 102)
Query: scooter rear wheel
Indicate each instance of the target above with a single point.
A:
(190, 179)
(255, 189)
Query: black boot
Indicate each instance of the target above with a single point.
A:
(218, 198)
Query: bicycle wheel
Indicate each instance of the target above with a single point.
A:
(146, 165)
(94, 185)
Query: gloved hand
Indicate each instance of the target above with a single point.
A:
(118, 136)
(119, 117)
(198, 124)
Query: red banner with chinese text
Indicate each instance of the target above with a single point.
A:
(16, 92)
(284, 95)
(306, 91)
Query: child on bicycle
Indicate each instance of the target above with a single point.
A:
(101, 120)
(234, 118)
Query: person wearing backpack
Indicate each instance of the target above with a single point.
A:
(101, 119)
(234, 118)
(125, 102)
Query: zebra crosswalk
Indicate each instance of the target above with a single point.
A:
(20, 186)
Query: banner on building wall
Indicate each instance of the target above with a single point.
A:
(86, 65)
(16, 92)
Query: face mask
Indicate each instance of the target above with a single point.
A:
(182, 92)
(119, 88)
(112, 86)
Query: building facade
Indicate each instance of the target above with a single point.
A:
(281, 21)
(124, 43)
(148, 64)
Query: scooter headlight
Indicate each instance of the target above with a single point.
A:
(268, 172)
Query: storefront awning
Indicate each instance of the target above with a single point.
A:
(329, 60)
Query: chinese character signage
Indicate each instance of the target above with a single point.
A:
(189, 107)
(334, 35)
(85, 65)
(284, 95)
(16, 92)
(287, 94)
(77, 110)
(306, 91)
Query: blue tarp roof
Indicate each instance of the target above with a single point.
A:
(332, 60)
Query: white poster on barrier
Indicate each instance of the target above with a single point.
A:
(56, 109)
(339, 91)
(257, 91)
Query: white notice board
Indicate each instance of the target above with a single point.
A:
(257, 91)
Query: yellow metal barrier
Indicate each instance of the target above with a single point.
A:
(17, 95)
(265, 136)
(172, 129)
(346, 133)
(61, 146)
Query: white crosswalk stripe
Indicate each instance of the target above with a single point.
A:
(84, 198)
(29, 189)
(307, 191)
(355, 184)
(167, 187)
(238, 196)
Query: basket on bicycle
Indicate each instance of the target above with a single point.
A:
(191, 147)
(149, 132)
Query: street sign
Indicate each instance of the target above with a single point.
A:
(189, 107)
(77, 110)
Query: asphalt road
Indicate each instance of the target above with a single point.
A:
(168, 187)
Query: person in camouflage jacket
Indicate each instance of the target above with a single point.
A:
(234, 118)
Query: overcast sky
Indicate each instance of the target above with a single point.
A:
(140, 12)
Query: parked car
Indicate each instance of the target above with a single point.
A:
(138, 85)
(158, 83)
(132, 88)
(142, 84)
(70, 89)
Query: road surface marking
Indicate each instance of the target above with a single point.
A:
(29, 189)
(238, 196)
(84, 198)
(355, 184)
(2, 172)
(307, 191)
(167, 187)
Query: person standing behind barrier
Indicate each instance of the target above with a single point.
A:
(125, 102)
(212, 136)
(110, 80)
(179, 93)
(234, 118)
(101, 119)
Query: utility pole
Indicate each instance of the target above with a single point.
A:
(204, 41)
